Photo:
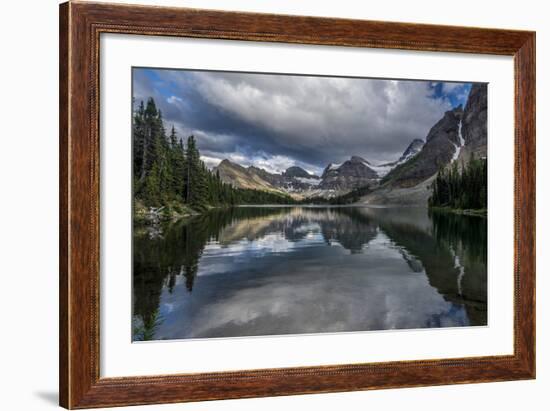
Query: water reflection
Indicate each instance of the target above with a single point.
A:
(288, 270)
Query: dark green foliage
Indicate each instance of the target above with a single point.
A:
(153, 156)
(165, 172)
(145, 328)
(178, 166)
(247, 196)
(197, 177)
(401, 170)
(159, 260)
(464, 188)
(461, 232)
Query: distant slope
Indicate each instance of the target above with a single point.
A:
(400, 196)
(440, 148)
(412, 149)
(295, 181)
(474, 123)
(297, 172)
(457, 136)
(240, 177)
(353, 173)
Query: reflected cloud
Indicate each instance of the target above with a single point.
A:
(290, 270)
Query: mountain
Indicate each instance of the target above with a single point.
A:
(442, 145)
(353, 173)
(241, 177)
(474, 121)
(337, 179)
(295, 180)
(276, 180)
(297, 172)
(461, 132)
(413, 149)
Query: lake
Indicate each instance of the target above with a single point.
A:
(271, 270)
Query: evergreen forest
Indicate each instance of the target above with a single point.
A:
(461, 188)
(168, 172)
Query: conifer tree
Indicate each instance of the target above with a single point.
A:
(197, 195)
(138, 136)
(464, 188)
(165, 172)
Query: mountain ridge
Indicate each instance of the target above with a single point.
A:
(336, 179)
(461, 132)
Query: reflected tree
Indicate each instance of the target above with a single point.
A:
(453, 251)
(159, 260)
(144, 327)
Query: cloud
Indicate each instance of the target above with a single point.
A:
(271, 163)
(174, 100)
(273, 120)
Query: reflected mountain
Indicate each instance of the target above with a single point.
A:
(288, 270)
(452, 249)
(335, 224)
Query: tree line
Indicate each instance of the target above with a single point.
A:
(464, 188)
(167, 171)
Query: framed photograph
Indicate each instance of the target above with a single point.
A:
(258, 205)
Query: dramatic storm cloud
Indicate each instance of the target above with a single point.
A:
(276, 121)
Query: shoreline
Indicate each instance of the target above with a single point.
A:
(147, 216)
(468, 212)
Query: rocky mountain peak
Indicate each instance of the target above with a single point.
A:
(439, 149)
(413, 148)
(228, 164)
(357, 159)
(353, 173)
(474, 123)
(447, 126)
(295, 171)
(225, 162)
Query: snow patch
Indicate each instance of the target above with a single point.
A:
(461, 141)
(383, 169)
(310, 181)
(458, 264)
(407, 157)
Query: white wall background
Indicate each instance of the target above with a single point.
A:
(29, 191)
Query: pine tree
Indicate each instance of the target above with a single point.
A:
(464, 188)
(152, 191)
(164, 171)
(177, 166)
(197, 188)
(138, 137)
(150, 137)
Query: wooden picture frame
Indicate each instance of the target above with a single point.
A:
(80, 27)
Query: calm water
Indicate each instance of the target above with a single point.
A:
(290, 270)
